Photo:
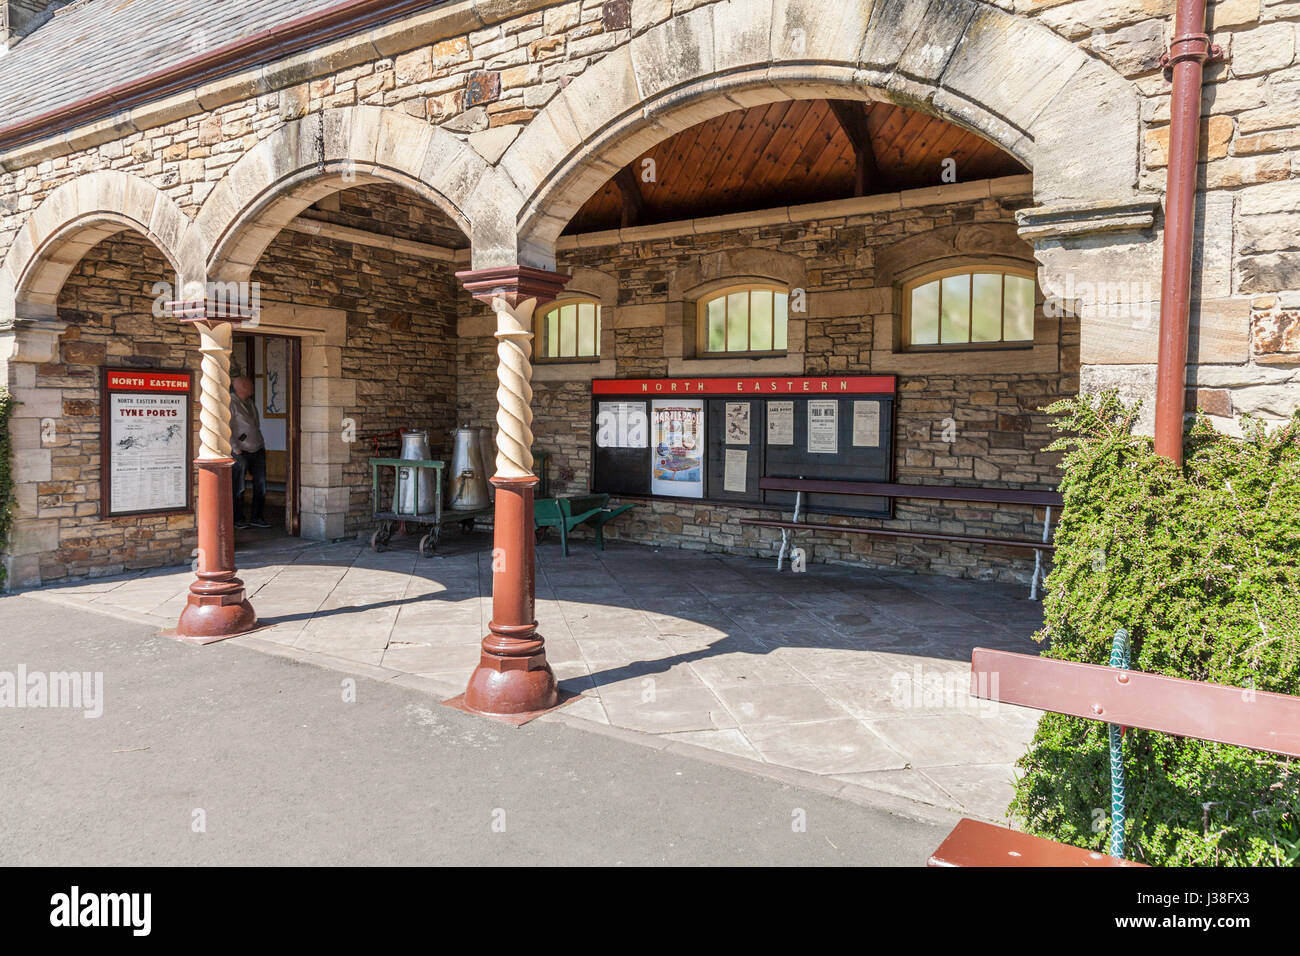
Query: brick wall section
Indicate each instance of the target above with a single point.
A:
(500, 76)
(401, 333)
(999, 435)
(108, 305)
(401, 330)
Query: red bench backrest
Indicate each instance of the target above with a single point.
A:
(1186, 708)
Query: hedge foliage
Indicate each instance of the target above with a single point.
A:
(1200, 563)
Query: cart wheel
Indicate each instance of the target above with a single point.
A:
(379, 540)
(428, 544)
(467, 526)
(539, 534)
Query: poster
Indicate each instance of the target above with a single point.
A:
(866, 424)
(146, 442)
(275, 356)
(677, 461)
(622, 425)
(780, 423)
(737, 419)
(733, 475)
(823, 426)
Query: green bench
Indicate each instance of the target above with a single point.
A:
(567, 513)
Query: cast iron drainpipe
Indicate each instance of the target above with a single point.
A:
(1188, 51)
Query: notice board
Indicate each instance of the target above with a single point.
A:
(145, 453)
(714, 438)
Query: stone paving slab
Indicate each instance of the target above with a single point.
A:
(851, 677)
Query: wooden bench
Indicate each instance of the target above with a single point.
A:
(567, 513)
(1123, 698)
(1009, 496)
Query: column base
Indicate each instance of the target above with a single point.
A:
(511, 685)
(209, 618)
(516, 689)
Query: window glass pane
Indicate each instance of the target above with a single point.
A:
(986, 307)
(925, 314)
(597, 351)
(586, 329)
(717, 313)
(1020, 309)
(760, 321)
(954, 324)
(568, 331)
(738, 322)
(780, 318)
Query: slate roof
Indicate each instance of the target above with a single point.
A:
(94, 45)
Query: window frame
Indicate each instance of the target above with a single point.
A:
(702, 350)
(539, 332)
(971, 269)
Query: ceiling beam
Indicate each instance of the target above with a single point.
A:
(852, 117)
(633, 203)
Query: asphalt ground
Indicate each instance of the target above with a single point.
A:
(227, 756)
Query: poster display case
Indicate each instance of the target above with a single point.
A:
(714, 438)
(146, 465)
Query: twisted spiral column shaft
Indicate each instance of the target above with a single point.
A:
(214, 390)
(514, 388)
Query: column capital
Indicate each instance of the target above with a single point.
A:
(207, 312)
(514, 284)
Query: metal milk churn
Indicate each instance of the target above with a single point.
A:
(469, 487)
(414, 491)
(487, 447)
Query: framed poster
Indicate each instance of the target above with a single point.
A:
(145, 453)
(823, 426)
(275, 369)
(677, 460)
(780, 423)
(715, 439)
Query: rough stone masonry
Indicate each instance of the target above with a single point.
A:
(494, 120)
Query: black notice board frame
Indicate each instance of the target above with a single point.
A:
(625, 472)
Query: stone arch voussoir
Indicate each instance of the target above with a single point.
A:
(303, 161)
(70, 221)
(1072, 119)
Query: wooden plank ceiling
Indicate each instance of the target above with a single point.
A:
(787, 153)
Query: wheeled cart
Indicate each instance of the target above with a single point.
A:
(393, 519)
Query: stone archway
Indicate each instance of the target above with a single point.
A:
(322, 153)
(1016, 83)
(45, 252)
(297, 165)
(73, 219)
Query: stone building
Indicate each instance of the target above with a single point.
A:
(343, 161)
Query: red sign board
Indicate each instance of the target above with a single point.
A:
(749, 385)
(146, 380)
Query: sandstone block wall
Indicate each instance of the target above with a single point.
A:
(957, 422)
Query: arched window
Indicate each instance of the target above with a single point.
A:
(569, 331)
(748, 319)
(969, 307)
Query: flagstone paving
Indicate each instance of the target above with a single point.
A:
(856, 676)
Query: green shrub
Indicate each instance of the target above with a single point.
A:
(1200, 563)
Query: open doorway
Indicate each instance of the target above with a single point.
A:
(273, 363)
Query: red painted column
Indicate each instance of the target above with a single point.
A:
(217, 607)
(513, 678)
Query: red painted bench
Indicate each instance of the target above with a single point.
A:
(1186, 708)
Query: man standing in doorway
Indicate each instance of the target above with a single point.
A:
(249, 451)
